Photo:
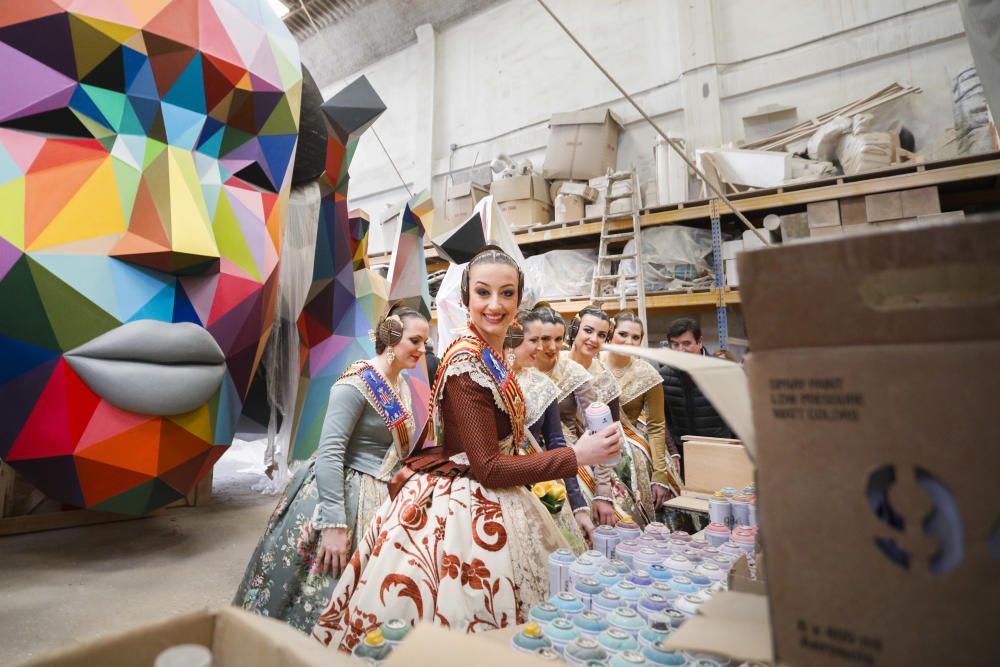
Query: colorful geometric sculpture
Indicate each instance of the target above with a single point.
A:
(346, 297)
(408, 284)
(145, 154)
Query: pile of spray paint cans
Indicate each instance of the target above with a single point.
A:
(733, 516)
(379, 643)
(618, 603)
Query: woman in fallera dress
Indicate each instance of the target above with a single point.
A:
(330, 501)
(462, 542)
(586, 334)
(654, 453)
(544, 429)
(576, 393)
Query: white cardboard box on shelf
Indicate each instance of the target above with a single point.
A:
(460, 200)
(568, 207)
(523, 200)
(873, 396)
(582, 144)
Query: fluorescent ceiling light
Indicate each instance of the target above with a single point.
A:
(280, 8)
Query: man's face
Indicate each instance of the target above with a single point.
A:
(686, 342)
(145, 161)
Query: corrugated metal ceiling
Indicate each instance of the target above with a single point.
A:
(323, 12)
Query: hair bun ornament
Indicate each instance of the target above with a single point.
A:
(514, 336)
(390, 330)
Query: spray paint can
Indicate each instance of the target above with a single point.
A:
(598, 417)
(560, 561)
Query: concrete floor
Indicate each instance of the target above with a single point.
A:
(65, 586)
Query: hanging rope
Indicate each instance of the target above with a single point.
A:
(672, 142)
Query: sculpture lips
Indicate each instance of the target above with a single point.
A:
(152, 367)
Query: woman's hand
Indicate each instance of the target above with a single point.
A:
(586, 526)
(593, 448)
(661, 494)
(604, 512)
(334, 551)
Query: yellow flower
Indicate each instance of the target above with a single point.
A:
(540, 489)
(557, 491)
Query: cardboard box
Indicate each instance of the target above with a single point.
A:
(530, 186)
(818, 232)
(568, 207)
(582, 144)
(863, 228)
(236, 638)
(733, 624)
(921, 201)
(823, 214)
(582, 190)
(794, 227)
(710, 464)
(883, 206)
(853, 211)
(460, 200)
(874, 399)
(523, 200)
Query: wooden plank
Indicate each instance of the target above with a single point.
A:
(33, 523)
(816, 191)
(795, 195)
(26, 521)
(653, 302)
(6, 490)
(710, 466)
(688, 503)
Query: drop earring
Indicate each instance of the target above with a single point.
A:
(390, 357)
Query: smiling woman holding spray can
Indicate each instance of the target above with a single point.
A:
(461, 541)
(576, 394)
(586, 335)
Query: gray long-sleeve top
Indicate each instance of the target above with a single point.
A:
(354, 437)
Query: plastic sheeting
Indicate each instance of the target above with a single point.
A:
(970, 113)
(281, 356)
(561, 274)
(674, 257)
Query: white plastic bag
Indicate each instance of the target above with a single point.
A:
(673, 257)
(561, 274)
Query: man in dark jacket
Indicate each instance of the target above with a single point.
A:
(688, 412)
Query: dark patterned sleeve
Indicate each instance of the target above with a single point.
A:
(470, 421)
(553, 437)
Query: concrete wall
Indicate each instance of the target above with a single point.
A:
(488, 83)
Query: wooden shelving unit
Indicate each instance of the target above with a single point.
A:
(968, 180)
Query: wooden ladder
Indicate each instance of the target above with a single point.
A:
(609, 262)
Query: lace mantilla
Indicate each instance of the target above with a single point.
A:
(635, 379)
(568, 376)
(533, 535)
(539, 393)
(605, 386)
